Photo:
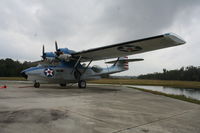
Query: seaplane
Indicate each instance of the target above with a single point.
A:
(66, 66)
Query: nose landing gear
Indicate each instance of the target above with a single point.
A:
(37, 85)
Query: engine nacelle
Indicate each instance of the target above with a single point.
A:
(65, 57)
(50, 59)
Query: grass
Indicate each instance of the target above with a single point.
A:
(171, 83)
(179, 97)
(12, 78)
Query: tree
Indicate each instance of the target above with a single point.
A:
(11, 68)
(189, 73)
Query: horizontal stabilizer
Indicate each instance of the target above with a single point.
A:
(127, 60)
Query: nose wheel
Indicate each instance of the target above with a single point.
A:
(82, 84)
(37, 85)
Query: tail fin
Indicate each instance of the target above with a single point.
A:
(122, 62)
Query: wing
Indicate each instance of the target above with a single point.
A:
(130, 48)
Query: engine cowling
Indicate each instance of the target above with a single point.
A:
(50, 59)
(65, 57)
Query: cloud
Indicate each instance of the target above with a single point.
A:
(78, 25)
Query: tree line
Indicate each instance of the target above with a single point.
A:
(189, 73)
(11, 68)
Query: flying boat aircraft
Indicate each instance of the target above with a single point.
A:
(66, 66)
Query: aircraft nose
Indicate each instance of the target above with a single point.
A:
(24, 75)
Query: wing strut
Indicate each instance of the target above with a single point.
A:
(87, 66)
(76, 64)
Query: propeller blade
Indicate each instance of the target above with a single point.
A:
(58, 52)
(43, 50)
(43, 53)
(56, 45)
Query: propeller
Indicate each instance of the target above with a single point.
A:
(43, 53)
(56, 45)
(60, 55)
(58, 52)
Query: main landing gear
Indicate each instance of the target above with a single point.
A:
(82, 84)
(78, 74)
(37, 85)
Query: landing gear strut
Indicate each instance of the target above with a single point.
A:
(78, 74)
(82, 84)
(37, 85)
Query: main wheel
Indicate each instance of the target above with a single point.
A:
(63, 84)
(37, 85)
(82, 84)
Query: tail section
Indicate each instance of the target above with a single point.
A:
(122, 62)
(119, 65)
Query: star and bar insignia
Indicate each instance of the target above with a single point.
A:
(49, 72)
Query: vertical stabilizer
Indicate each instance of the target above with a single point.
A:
(119, 65)
(122, 63)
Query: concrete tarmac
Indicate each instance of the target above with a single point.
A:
(96, 109)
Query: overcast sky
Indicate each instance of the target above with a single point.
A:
(25, 25)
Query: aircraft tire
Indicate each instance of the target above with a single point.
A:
(37, 85)
(82, 84)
